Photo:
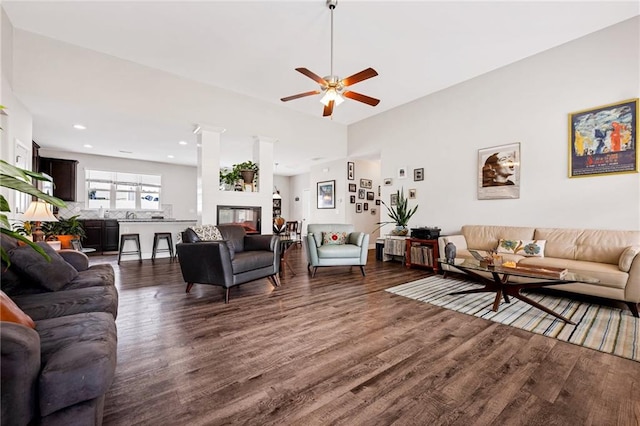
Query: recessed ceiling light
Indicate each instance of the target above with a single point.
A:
(86, 145)
(170, 156)
(182, 143)
(79, 127)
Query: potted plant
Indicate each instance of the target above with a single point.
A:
(400, 213)
(24, 228)
(20, 180)
(64, 230)
(228, 178)
(247, 170)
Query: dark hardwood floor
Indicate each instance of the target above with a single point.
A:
(338, 349)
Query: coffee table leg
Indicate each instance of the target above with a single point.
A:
(496, 302)
(541, 307)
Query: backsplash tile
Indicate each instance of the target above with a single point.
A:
(73, 209)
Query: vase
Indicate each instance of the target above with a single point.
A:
(450, 252)
(248, 176)
(65, 240)
(400, 230)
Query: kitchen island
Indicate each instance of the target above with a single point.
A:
(146, 228)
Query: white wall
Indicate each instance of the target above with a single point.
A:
(178, 182)
(298, 184)
(526, 102)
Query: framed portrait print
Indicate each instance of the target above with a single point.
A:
(603, 140)
(402, 173)
(412, 194)
(361, 193)
(352, 187)
(351, 170)
(499, 172)
(377, 202)
(394, 199)
(358, 207)
(370, 195)
(352, 199)
(418, 174)
(387, 181)
(327, 194)
(365, 206)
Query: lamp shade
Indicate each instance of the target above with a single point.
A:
(39, 211)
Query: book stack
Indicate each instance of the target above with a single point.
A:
(422, 255)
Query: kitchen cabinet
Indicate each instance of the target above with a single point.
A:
(102, 235)
(110, 235)
(63, 173)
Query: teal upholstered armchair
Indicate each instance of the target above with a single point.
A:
(335, 245)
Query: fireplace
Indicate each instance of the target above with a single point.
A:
(247, 216)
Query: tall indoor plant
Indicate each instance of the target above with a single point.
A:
(18, 179)
(401, 213)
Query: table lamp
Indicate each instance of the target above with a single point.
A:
(39, 211)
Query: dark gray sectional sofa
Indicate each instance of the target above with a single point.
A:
(59, 372)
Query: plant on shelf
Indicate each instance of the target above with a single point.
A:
(400, 213)
(228, 177)
(248, 170)
(64, 230)
(19, 180)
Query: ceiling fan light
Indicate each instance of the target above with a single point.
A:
(332, 95)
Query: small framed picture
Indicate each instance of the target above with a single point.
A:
(352, 187)
(370, 195)
(277, 203)
(394, 199)
(377, 202)
(378, 190)
(352, 199)
(351, 170)
(387, 181)
(365, 206)
(358, 207)
(366, 183)
(374, 211)
(418, 174)
(402, 173)
(412, 194)
(362, 193)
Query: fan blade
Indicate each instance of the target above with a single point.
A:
(358, 77)
(313, 76)
(361, 98)
(300, 95)
(328, 110)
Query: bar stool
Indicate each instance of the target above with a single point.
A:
(130, 237)
(156, 239)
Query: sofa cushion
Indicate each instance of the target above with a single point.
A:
(604, 246)
(78, 359)
(96, 276)
(529, 248)
(334, 238)
(235, 235)
(485, 237)
(10, 312)
(250, 260)
(343, 251)
(52, 275)
(627, 256)
(506, 257)
(609, 275)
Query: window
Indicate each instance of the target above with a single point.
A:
(128, 191)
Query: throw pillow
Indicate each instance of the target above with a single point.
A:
(627, 256)
(335, 238)
(529, 248)
(208, 232)
(9, 311)
(52, 275)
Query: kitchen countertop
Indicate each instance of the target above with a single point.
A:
(156, 220)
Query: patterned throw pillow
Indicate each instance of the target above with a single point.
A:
(529, 248)
(334, 238)
(207, 232)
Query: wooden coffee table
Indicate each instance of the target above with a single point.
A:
(503, 288)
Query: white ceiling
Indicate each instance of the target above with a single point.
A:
(252, 48)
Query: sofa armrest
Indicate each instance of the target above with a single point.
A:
(356, 238)
(77, 259)
(458, 240)
(312, 249)
(207, 262)
(632, 289)
(261, 242)
(20, 369)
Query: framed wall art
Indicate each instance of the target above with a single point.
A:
(402, 173)
(418, 174)
(351, 170)
(393, 198)
(365, 206)
(603, 140)
(370, 195)
(366, 183)
(352, 199)
(499, 172)
(412, 194)
(358, 207)
(387, 181)
(352, 187)
(327, 194)
(361, 193)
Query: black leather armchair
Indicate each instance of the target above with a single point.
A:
(237, 259)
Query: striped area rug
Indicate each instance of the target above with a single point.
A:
(597, 327)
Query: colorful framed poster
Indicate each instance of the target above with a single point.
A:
(499, 172)
(327, 194)
(603, 140)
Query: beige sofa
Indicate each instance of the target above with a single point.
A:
(610, 256)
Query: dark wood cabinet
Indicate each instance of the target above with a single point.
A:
(110, 235)
(102, 235)
(63, 173)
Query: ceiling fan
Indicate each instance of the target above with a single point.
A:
(331, 86)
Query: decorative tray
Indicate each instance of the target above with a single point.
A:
(548, 271)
